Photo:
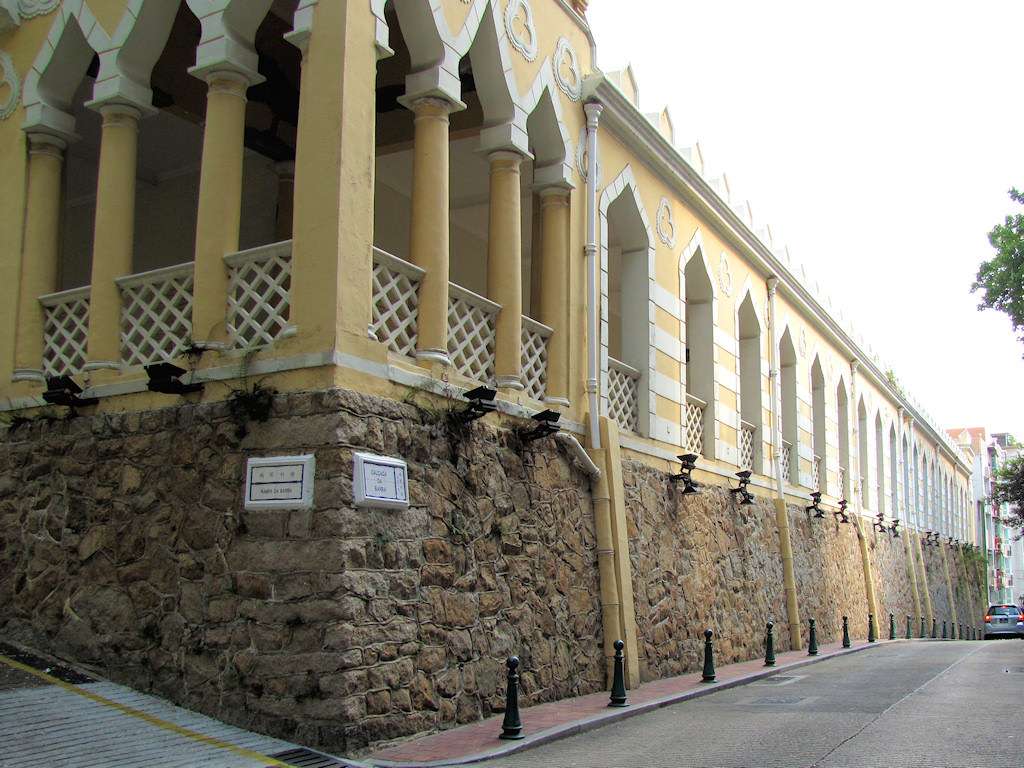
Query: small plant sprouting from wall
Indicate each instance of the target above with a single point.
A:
(252, 401)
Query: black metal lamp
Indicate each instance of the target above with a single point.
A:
(894, 528)
(166, 378)
(815, 505)
(689, 463)
(840, 514)
(481, 402)
(879, 524)
(63, 390)
(746, 497)
(545, 425)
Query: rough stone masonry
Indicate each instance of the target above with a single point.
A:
(125, 547)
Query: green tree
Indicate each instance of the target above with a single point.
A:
(1001, 279)
(1008, 488)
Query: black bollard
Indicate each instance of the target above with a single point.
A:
(618, 697)
(511, 727)
(769, 644)
(709, 658)
(872, 636)
(812, 639)
(935, 628)
(846, 632)
(943, 629)
(908, 626)
(892, 627)
(960, 630)
(924, 631)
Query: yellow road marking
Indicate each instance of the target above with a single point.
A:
(156, 721)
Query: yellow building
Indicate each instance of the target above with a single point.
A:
(424, 197)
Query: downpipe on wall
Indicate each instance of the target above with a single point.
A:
(612, 629)
(781, 513)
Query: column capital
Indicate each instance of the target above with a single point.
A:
(119, 113)
(431, 105)
(593, 110)
(228, 81)
(553, 194)
(46, 144)
(773, 284)
(498, 157)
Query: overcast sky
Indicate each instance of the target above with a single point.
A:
(878, 140)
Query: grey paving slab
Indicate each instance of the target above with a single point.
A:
(906, 704)
(53, 726)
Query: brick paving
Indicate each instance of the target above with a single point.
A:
(544, 723)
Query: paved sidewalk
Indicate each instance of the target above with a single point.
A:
(544, 723)
(54, 716)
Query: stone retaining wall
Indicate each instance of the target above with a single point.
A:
(699, 561)
(124, 547)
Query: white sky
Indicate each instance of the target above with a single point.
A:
(878, 140)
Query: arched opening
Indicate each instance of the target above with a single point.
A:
(862, 453)
(879, 462)
(917, 513)
(818, 424)
(751, 410)
(908, 510)
(843, 423)
(894, 474)
(790, 444)
(700, 355)
(628, 333)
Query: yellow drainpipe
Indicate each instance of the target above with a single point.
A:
(781, 514)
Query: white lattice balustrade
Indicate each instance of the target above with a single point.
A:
(65, 331)
(258, 300)
(395, 302)
(816, 474)
(746, 446)
(156, 314)
(784, 458)
(842, 482)
(624, 394)
(471, 333)
(693, 429)
(535, 357)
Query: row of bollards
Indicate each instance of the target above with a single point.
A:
(512, 727)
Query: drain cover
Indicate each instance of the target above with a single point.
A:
(779, 700)
(778, 680)
(1014, 670)
(307, 758)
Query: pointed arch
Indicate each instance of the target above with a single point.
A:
(879, 429)
(697, 287)
(749, 334)
(843, 419)
(862, 452)
(627, 260)
(788, 409)
(818, 422)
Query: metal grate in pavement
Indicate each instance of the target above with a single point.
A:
(778, 680)
(307, 758)
(779, 700)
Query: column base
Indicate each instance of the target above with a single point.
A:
(210, 346)
(509, 382)
(427, 357)
(101, 365)
(28, 374)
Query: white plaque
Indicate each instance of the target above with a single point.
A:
(379, 481)
(279, 482)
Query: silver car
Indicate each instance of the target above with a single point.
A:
(1004, 621)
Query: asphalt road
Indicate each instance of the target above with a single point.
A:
(928, 704)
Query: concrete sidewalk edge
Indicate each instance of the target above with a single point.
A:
(613, 715)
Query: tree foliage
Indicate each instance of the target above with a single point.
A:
(1008, 488)
(1001, 279)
